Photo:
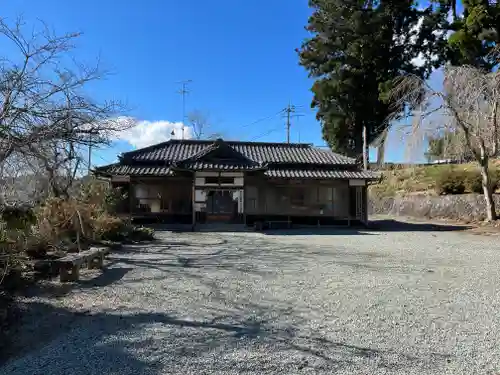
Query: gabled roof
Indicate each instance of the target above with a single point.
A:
(217, 156)
(262, 153)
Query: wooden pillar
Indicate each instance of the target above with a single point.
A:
(193, 211)
(131, 194)
(365, 205)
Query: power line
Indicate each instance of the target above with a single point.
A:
(183, 91)
(262, 119)
(266, 133)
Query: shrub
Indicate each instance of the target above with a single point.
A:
(109, 228)
(474, 182)
(12, 258)
(451, 182)
(101, 195)
(17, 217)
(141, 234)
(59, 219)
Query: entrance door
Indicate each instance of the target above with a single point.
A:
(221, 206)
(357, 202)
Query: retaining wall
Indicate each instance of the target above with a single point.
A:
(467, 207)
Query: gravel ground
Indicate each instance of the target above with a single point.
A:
(410, 301)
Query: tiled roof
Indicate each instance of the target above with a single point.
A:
(307, 173)
(276, 159)
(272, 153)
(117, 169)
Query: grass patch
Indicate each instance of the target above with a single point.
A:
(421, 179)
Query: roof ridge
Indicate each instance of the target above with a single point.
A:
(280, 144)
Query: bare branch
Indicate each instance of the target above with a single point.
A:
(466, 108)
(46, 116)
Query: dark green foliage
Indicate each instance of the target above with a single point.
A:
(356, 51)
(459, 181)
(451, 182)
(475, 34)
(358, 48)
(17, 217)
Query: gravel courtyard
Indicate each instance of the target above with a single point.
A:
(408, 301)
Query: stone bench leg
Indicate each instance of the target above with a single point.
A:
(96, 262)
(69, 273)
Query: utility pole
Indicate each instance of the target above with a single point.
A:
(183, 91)
(290, 111)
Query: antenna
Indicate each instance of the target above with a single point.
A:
(183, 91)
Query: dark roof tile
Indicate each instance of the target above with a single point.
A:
(306, 173)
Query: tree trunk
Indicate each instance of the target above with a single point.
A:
(488, 193)
(495, 130)
(381, 154)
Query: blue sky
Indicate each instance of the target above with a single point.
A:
(240, 56)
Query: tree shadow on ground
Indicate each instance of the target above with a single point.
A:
(391, 225)
(386, 225)
(321, 231)
(151, 342)
(88, 279)
(267, 258)
(271, 336)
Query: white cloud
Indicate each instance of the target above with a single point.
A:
(147, 133)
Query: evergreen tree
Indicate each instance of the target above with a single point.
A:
(356, 50)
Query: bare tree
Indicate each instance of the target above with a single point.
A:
(467, 107)
(42, 97)
(45, 114)
(199, 122)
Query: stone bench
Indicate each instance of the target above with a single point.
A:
(69, 265)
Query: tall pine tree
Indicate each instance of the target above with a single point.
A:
(356, 50)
